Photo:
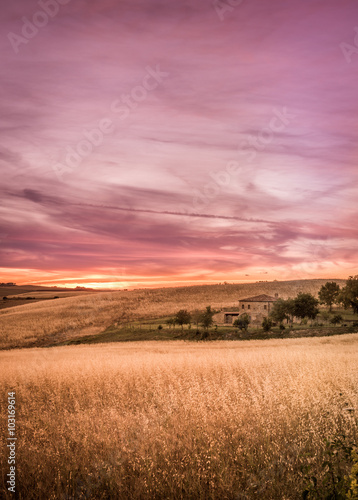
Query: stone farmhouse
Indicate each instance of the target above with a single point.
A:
(257, 308)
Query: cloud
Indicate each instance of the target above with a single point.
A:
(131, 202)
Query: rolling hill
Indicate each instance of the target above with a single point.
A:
(50, 322)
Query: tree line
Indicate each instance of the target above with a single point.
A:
(202, 318)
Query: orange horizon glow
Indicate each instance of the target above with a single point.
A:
(131, 282)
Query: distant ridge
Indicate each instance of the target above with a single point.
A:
(13, 289)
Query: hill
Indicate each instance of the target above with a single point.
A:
(15, 295)
(6, 289)
(50, 322)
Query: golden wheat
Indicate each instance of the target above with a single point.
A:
(177, 420)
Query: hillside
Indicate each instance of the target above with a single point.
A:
(49, 322)
(22, 289)
(13, 296)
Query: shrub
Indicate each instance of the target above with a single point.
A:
(242, 322)
(337, 318)
(325, 315)
(266, 324)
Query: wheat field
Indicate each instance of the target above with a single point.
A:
(178, 420)
(48, 322)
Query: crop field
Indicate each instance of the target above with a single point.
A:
(180, 420)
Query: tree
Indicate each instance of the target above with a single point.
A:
(171, 322)
(196, 317)
(328, 293)
(349, 294)
(305, 306)
(282, 310)
(206, 318)
(182, 317)
(291, 308)
(337, 318)
(279, 311)
(243, 322)
(267, 324)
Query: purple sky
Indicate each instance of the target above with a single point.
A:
(228, 146)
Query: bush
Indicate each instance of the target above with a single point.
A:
(242, 322)
(266, 324)
(325, 315)
(337, 318)
(160, 327)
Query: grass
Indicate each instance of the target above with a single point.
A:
(148, 330)
(114, 334)
(175, 420)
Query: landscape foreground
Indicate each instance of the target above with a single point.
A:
(180, 420)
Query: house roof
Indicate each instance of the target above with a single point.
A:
(259, 298)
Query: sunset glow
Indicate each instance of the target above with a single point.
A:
(163, 143)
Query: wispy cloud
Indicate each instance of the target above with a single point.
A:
(130, 203)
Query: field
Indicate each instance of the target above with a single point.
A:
(23, 295)
(50, 295)
(25, 290)
(179, 420)
(54, 321)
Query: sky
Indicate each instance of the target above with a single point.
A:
(158, 142)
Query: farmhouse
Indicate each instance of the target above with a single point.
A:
(256, 307)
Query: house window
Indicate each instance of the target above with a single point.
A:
(243, 306)
(265, 306)
(249, 307)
